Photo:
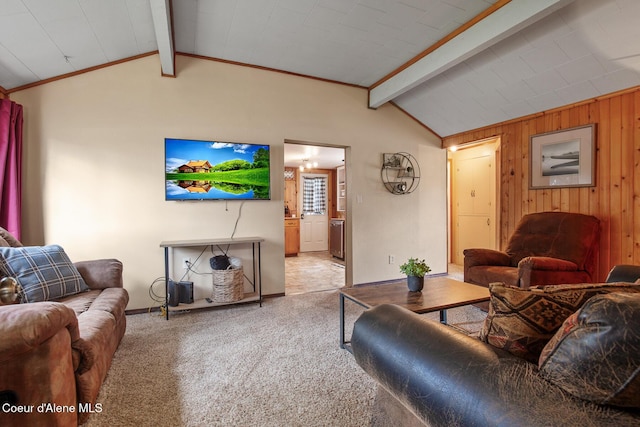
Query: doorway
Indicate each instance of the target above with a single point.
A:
(314, 219)
(311, 182)
(473, 194)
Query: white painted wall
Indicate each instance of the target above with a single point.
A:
(94, 166)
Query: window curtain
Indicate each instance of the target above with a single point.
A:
(314, 195)
(10, 166)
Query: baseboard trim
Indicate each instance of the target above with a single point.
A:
(141, 310)
(278, 295)
(157, 309)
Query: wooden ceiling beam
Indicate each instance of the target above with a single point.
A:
(161, 12)
(507, 19)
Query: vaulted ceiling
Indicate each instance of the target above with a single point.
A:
(454, 65)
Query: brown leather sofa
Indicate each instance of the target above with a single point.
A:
(54, 355)
(546, 248)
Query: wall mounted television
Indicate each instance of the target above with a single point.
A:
(214, 170)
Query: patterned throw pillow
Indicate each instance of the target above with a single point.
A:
(595, 355)
(44, 272)
(522, 321)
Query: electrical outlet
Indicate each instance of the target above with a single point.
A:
(392, 259)
(186, 263)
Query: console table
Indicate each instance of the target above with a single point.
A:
(255, 242)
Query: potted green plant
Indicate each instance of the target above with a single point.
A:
(415, 269)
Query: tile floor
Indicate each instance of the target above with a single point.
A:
(312, 272)
(456, 272)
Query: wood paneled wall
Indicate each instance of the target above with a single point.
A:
(615, 199)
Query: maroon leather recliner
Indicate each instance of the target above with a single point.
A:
(546, 248)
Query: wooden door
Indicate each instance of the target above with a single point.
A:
(475, 193)
(314, 218)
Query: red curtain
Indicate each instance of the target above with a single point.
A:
(10, 166)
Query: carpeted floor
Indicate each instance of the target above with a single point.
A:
(276, 365)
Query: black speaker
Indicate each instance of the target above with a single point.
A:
(181, 292)
(173, 298)
(186, 292)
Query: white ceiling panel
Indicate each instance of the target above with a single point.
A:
(141, 18)
(344, 6)
(513, 70)
(573, 45)
(323, 17)
(585, 68)
(585, 49)
(400, 15)
(618, 80)
(185, 23)
(38, 53)
(575, 92)
(76, 40)
(545, 101)
(13, 71)
(111, 24)
(546, 82)
(45, 11)
(210, 36)
(301, 6)
(545, 56)
(363, 18)
(12, 7)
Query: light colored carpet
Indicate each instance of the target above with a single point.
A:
(276, 365)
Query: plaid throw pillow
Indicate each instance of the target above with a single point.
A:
(44, 272)
(522, 321)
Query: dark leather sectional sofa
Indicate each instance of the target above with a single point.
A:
(431, 374)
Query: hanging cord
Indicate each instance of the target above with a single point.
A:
(191, 264)
(156, 297)
(152, 293)
(234, 232)
(237, 219)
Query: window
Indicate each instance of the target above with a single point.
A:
(314, 195)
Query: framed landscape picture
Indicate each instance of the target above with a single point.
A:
(563, 158)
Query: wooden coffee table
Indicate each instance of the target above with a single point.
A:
(439, 294)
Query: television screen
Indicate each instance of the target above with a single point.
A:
(214, 170)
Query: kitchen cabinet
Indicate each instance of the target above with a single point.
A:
(291, 236)
(341, 189)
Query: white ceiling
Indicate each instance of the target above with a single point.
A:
(571, 51)
(326, 157)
